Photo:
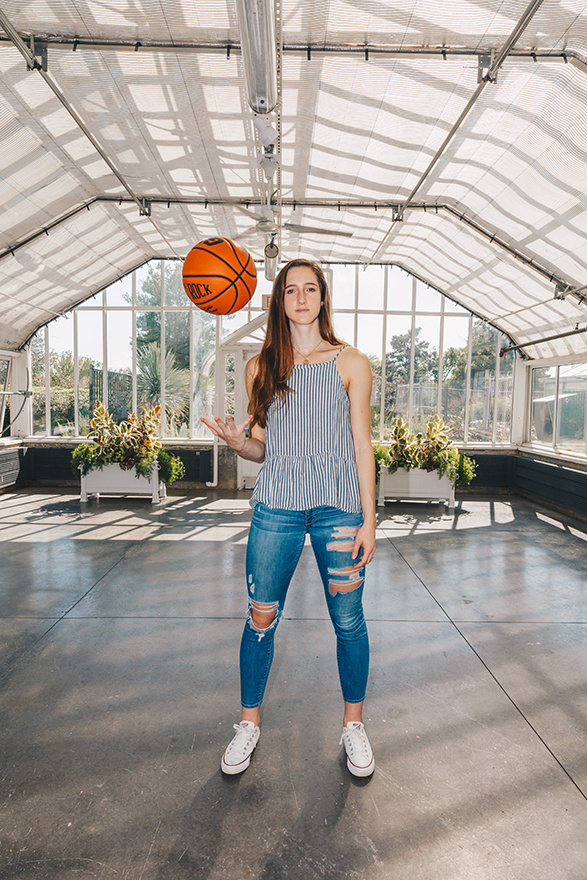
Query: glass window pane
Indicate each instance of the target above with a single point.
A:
(543, 398)
(38, 370)
(90, 355)
(149, 284)
(482, 383)
(96, 301)
(175, 294)
(397, 370)
(425, 393)
(370, 339)
(62, 385)
(204, 345)
(4, 405)
(399, 290)
(344, 327)
(454, 374)
(119, 293)
(371, 284)
(504, 392)
(370, 335)
(453, 308)
(119, 338)
(148, 360)
(427, 299)
(177, 374)
(572, 407)
(343, 287)
(229, 369)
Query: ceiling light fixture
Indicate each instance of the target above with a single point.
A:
(267, 133)
(256, 23)
(271, 256)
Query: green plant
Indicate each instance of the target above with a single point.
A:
(466, 470)
(133, 443)
(171, 467)
(381, 453)
(434, 450)
(402, 447)
(431, 450)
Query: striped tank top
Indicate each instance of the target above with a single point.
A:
(309, 453)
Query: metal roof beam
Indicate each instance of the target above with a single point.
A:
(489, 77)
(65, 42)
(33, 63)
(565, 287)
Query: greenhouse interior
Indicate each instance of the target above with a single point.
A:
(431, 158)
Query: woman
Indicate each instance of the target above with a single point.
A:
(309, 422)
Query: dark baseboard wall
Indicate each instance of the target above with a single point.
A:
(552, 483)
(51, 466)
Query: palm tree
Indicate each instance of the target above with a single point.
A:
(177, 383)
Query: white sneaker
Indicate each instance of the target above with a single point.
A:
(237, 756)
(359, 753)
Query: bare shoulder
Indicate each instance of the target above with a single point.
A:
(351, 359)
(354, 367)
(250, 372)
(252, 366)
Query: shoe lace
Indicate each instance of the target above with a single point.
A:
(355, 739)
(241, 737)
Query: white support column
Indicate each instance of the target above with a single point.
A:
(520, 394)
(21, 408)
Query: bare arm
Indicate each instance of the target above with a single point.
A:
(252, 447)
(356, 372)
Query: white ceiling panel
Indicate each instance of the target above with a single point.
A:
(138, 141)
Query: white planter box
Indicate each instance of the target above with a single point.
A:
(415, 485)
(113, 480)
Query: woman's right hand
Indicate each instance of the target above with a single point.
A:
(233, 435)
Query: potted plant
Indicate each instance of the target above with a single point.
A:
(423, 466)
(125, 458)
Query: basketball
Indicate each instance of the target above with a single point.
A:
(219, 276)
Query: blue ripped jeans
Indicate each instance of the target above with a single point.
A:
(276, 540)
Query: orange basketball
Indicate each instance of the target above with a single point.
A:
(219, 276)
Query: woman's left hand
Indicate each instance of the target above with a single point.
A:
(365, 541)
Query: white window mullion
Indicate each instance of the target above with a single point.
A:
(47, 384)
(412, 355)
(192, 415)
(468, 380)
(162, 371)
(356, 339)
(496, 388)
(105, 357)
(557, 411)
(134, 343)
(383, 354)
(75, 376)
(440, 357)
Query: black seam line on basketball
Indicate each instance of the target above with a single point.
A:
(249, 258)
(224, 290)
(491, 674)
(233, 247)
(231, 283)
(218, 257)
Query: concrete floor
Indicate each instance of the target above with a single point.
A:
(119, 631)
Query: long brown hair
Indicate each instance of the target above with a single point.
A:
(275, 361)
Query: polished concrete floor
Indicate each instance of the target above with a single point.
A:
(119, 631)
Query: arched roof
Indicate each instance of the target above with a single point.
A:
(450, 138)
